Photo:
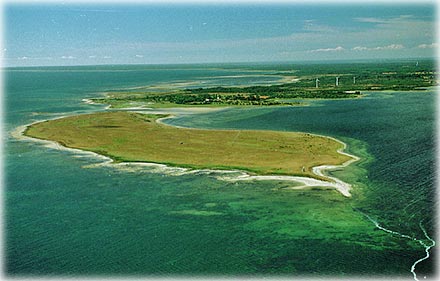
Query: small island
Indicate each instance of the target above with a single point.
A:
(134, 137)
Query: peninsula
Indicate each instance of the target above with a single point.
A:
(295, 87)
(135, 137)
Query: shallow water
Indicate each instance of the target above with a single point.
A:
(397, 129)
(64, 216)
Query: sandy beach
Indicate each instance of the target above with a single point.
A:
(341, 186)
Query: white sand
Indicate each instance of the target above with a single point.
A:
(88, 101)
(341, 186)
(18, 134)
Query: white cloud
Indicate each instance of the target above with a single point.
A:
(371, 20)
(388, 47)
(427, 46)
(401, 18)
(30, 58)
(378, 39)
(360, 48)
(337, 49)
(311, 26)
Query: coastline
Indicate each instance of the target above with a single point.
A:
(341, 186)
(306, 182)
(18, 133)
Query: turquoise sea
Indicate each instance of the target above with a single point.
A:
(64, 216)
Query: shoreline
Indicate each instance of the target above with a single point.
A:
(341, 186)
(333, 182)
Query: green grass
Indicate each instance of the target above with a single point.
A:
(402, 76)
(134, 137)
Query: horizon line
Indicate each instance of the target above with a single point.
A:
(433, 58)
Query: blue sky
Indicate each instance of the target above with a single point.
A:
(79, 34)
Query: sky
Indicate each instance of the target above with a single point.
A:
(154, 33)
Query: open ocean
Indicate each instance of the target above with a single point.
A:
(65, 216)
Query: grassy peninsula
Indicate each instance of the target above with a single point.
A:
(134, 137)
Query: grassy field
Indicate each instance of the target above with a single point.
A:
(134, 137)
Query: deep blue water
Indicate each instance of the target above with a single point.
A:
(64, 218)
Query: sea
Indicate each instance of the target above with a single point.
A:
(70, 214)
